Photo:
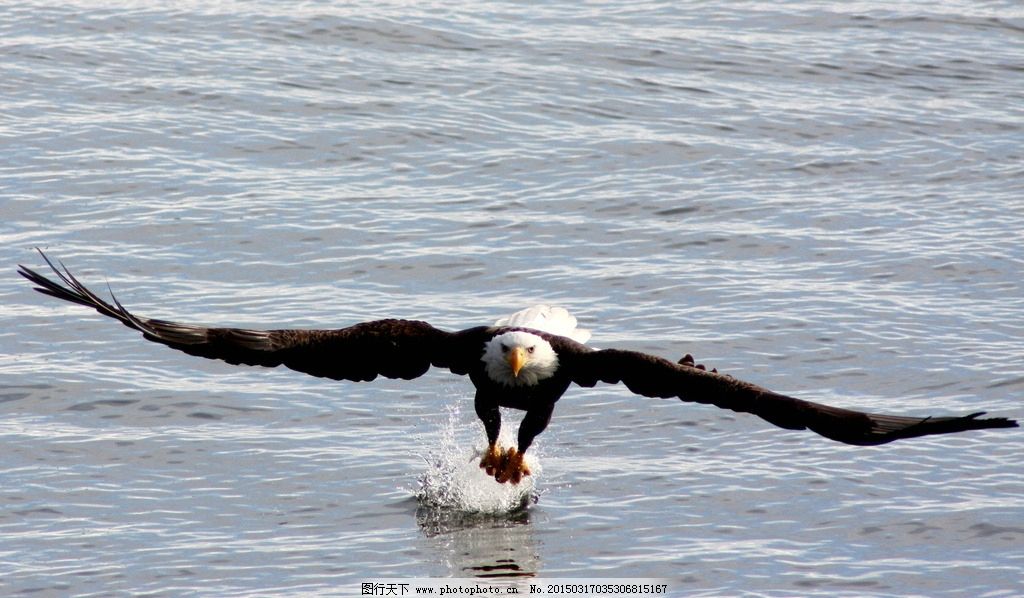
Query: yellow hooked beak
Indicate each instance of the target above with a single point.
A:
(516, 359)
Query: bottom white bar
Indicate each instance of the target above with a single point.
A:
(569, 587)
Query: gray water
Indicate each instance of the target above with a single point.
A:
(823, 198)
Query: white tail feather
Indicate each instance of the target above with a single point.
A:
(554, 320)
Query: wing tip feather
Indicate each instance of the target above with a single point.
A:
(992, 422)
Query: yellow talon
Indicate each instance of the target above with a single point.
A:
(505, 465)
(492, 460)
(513, 468)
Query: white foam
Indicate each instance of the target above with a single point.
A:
(454, 480)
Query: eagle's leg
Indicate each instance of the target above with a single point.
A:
(490, 415)
(513, 467)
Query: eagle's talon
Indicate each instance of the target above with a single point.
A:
(513, 468)
(493, 460)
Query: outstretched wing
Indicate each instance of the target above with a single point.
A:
(392, 348)
(653, 376)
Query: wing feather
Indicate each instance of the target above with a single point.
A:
(392, 348)
(653, 376)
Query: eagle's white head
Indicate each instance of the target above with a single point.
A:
(519, 358)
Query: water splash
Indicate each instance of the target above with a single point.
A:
(454, 481)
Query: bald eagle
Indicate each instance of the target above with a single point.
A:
(526, 362)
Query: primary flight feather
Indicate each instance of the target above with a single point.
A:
(526, 362)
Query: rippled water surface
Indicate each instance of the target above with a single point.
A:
(823, 198)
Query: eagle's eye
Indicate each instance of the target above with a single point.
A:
(530, 349)
(504, 348)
